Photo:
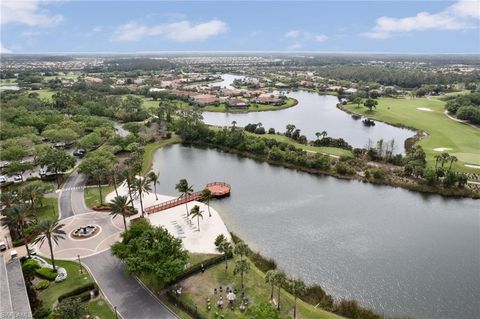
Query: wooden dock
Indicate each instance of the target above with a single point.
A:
(218, 189)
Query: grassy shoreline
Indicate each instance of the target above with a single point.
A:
(414, 186)
(426, 115)
(152, 147)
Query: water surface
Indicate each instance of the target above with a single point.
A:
(314, 113)
(399, 252)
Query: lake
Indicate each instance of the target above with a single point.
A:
(314, 113)
(396, 251)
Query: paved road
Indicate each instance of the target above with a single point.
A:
(123, 291)
(71, 200)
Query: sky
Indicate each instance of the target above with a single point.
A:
(41, 26)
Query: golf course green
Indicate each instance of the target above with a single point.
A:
(427, 115)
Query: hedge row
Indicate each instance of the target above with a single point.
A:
(192, 270)
(79, 290)
(172, 298)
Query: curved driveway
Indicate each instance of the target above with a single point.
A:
(121, 290)
(71, 200)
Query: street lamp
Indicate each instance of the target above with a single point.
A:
(80, 264)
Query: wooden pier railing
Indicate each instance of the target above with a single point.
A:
(218, 189)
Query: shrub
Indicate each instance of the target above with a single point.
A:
(379, 173)
(77, 291)
(46, 273)
(344, 169)
(42, 284)
(30, 266)
(42, 313)
(262, 263)
(351, 309)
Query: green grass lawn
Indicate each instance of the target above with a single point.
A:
(462, 139)
(49, 210)
(74, 279)
(100, 308)
(152, 147)
(92, 195)
(150, 104)
(200, 287)
(45, 94)
(49, 296)
(335, 151)
(196, 258)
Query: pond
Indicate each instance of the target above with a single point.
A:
(396, 251)
(314, 113)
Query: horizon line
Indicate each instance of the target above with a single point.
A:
(234, 52)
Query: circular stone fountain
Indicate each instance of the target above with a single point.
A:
(85, 231)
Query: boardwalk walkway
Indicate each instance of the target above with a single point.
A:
(218, 189)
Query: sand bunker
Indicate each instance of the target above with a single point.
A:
(473, 166)
(442, 149)
(426, 109)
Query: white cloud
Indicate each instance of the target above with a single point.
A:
(320, 38)
(28, 12)
(183, 31)
(458, 16)
(4, 49)
(293, 34)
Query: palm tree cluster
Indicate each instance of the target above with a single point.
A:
(278, 279)
(20, 216)
(444, 158)
(20, 210)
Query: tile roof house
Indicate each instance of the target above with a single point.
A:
(238, 103)
(204, 99)
(268, 98)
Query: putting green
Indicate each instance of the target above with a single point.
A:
(463, 140)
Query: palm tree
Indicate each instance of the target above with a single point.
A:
(279, 280)
(205, 197)
(318, 134)
(324, 134)
(141, 185)
(120, 207)
(114, 172)
(196, 212)
(445, 157)
(16, 218)
(184, 188)
(241, 266)
(128, 180)
(452, 159)
(270, 279)
(8, 199)
(298, 289)
(153, 177)
(33, 193)
(49, 229)
(437, 160)
(290, 129)
(223, 246)
(241, 249)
